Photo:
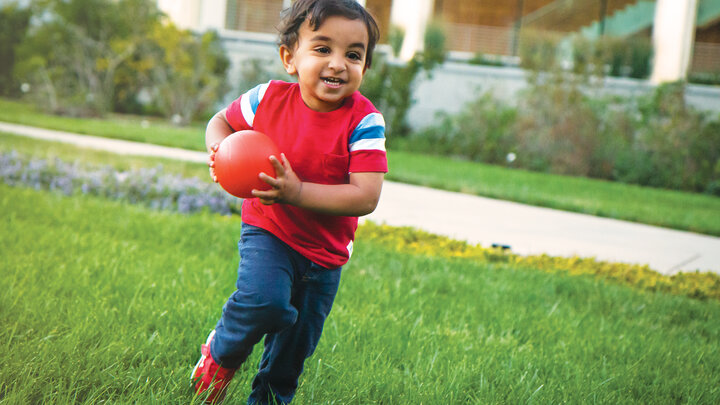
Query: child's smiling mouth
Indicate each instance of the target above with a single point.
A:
(333, 82)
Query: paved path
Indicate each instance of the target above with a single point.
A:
(527, 229)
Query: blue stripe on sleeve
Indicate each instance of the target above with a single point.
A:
(370, 127)
(251, 100)
(254, 99)
(367, 133)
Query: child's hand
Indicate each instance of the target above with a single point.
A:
(211, 161)
(286, 187)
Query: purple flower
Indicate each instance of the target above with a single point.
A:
(151, 187)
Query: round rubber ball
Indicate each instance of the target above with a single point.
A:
(240, 159)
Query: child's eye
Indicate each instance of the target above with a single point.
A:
(322, 49)
(354, 56)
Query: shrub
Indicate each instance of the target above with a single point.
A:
(256, 71)
(673, 145)
(396, 36)
(613, 56)
(187, 73)
(481, 132)
(539, 51)
(14, 22)
(711, 78)
(561, 126)
(389, 84)
(74, 49)
(558, 130)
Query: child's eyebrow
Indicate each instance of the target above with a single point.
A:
(358, 45)
(323, 38)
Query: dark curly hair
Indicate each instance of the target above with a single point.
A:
(316, 11)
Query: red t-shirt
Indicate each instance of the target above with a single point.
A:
(322, 148)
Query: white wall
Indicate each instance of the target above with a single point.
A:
(412, 16)
(184, 13)
(212, 15)
(673, 37)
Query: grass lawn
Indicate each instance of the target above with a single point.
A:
(51, 150)
(109, 302)
(131, 128)
(672, 209)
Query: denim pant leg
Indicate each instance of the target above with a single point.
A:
(261, 303)
(285, 351)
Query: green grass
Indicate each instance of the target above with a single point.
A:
(109, 302)
(668, 208)
(672, 209)
(131, 128)
(90, 157)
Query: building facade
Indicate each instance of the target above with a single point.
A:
(685, 33)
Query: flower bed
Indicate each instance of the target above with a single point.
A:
(147, 186)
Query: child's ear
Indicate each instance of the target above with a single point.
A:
(286, 56)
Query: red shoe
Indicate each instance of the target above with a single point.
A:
(210, 376)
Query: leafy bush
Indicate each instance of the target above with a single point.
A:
(14, 22)
(256, 71)
(711, 78)
(92, 57)
(672, 145)
(480, 58)
(562, 126)
(74, 49)
(390, 83)
(557, 131)
(655, 140)
(396, 36)
(186, 71)
(481, 132)
(539, 51)
(620, 57)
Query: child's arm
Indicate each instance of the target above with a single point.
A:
(357, 198)
(217, 130)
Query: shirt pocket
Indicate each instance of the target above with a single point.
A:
(323, 168)
(335, 168)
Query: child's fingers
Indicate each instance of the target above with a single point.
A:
(269, 180)
(266, 197)
(211, 155)
(279, 169)
(285, 162)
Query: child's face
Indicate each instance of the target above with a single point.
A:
(329, 62)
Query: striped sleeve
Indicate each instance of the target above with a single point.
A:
(367, 145)
(241, 112)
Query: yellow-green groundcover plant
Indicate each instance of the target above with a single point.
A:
(701, 285)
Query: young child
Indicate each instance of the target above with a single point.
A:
(296, 236)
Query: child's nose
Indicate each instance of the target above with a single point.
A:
(337, 62)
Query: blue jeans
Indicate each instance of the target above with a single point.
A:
(282, 296)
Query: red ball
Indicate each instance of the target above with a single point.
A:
(239, 160)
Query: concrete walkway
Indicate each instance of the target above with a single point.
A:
(528, 230)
